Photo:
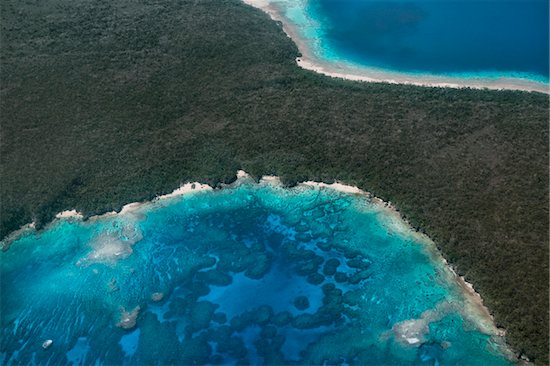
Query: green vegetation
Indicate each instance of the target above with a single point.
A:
(109, 102)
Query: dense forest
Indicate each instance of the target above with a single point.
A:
(113, 101)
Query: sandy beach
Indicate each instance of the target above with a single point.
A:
(310, 61)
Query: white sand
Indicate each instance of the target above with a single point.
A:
(310, 61)
(271, 179)
(242, 174)
(69, 214)
(186, 189)
(337, 187)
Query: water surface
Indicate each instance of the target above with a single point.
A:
(249, 274)
(470, 39)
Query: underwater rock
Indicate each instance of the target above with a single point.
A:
(262, 314)
(269, 331)
(150, 349)
(47, 344)
(328, 287)
(194, 351)
(324, 246)
(216, 359)
(315, 278)
(308, 321)
(215, 277)
(290, 250)
(269, 350)
(239, 322)
(219, 334)
(259, 265)
(332, 262)
(179, 307)
(340, 277)
(333, 300)
(220, 318)
(301, 303)
(281, 319)
(128, 319)
(358, 263)
(307, 268)
(304, 237)
(199, 288)
(329, 270)
(352, 297)
(157, 296)
(350, 253)
(234, 346)
(278, 341)
(329, 314)
(201, 314)
(359, 276)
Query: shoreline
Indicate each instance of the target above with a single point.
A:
(347, 71)
(474, 306)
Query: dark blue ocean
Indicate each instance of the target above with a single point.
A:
(251, 274)
(486, 38)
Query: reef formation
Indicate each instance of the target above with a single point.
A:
(249, 274)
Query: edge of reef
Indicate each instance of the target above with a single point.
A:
(309, 60)
(473, 301)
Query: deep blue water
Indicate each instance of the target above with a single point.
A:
(253, 274)
(487, 37)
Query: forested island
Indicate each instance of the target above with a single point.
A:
(109, 102)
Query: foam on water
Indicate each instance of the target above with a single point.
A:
(252, 273)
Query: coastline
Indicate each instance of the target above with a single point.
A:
(474, 307)
(310, 61)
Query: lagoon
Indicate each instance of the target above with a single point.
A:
(248, 274)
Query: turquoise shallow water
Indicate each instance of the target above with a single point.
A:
(474, 39)
(253, 274)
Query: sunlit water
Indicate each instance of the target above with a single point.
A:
(252, 274)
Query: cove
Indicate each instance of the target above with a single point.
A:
(476, 43)
(248, 274)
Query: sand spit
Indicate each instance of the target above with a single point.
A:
(310, 61)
